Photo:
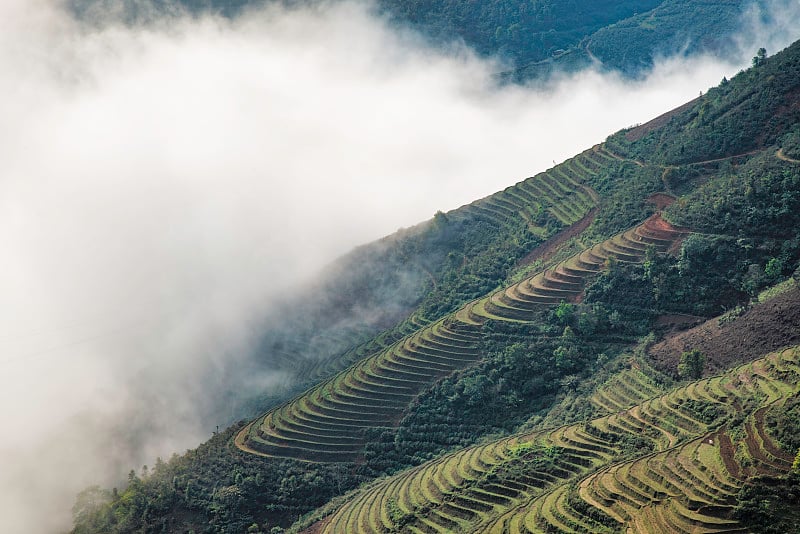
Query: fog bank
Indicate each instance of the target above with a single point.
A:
(161, 185)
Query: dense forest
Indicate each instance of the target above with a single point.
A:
(533, 38)
(522, 31)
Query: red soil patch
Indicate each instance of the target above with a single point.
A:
(768, 444)
(657, 223)
(317, 527)
(764, 328)
(545, 251)
(752, 446)
(661, 200)
(728, 453)
(768, 466)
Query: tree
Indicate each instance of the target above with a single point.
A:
(774, 268)
(761, 55)
(87, 513)
(440, 220)
(692, 364)
(564, 313)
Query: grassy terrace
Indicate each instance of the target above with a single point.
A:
(606, 447)
(659, 466)
(624, 390)
(322, 368)
(559, 193)
(565, 281)
(327, 423)
(382, 376)
(558, 197)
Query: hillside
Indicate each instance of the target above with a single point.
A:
(520, 386)
(672, 462)
(535, 38)
(738, 336)
(330, 422)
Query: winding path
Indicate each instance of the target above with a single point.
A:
(780, 155)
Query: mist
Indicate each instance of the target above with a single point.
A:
(163, 185)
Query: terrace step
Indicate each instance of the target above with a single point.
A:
(682, 486)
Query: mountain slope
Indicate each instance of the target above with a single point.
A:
(328, 423)
(534, 38)
(550, 372)
(667, 465)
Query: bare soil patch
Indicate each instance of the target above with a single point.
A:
(661, 200)
(767, 442)
(764, 328)
(677, 321)
(317, 527)
(784, 157)
(728, 453)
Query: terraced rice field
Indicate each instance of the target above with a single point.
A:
(561, 192)
(625, 389)
(320, 368)
(327, 423)
(566, 281)
(654, 467)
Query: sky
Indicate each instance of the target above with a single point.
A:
(161, 185)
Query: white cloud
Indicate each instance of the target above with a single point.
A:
(160, 185)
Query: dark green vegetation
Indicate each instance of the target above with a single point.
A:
(755, 109)
(525, 32)
(539, 37)
(546, 36)
(224, 495)
(524, 398)
(771, 504)
(692, 364)
(673, 27)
